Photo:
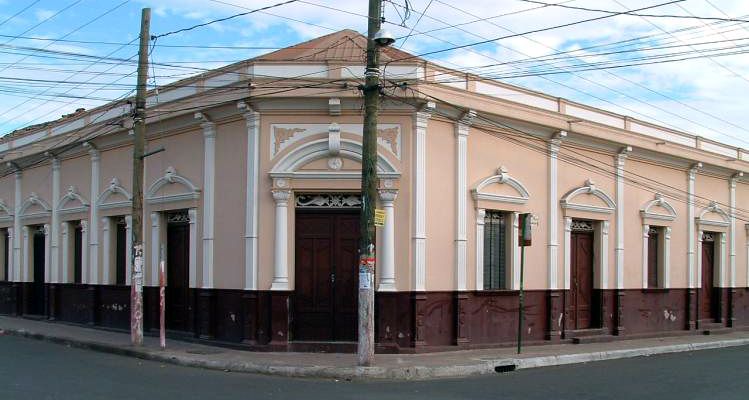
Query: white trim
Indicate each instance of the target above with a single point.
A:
(106, 257)
(664, 256)
(24, 275)
(85, 271)
(47, 277)
(716, 209)
(11, 241)
(112, 189)
(281, 243)
(588, 188)
(553, 234)
(171, 177)
(666, 259)
(419, 236)
(461, 201)
(732, 229)
(387, 250)
(691, 175)
(209, 189)
(721, 260)
(55, 222)
(156, 242)
(72, 195)
(17, 244)
(699, 259)
(128, 249)
(33, 199)
(658, 201)
(8, 214)
(567, 252)
(252, 121)
(502, 177)
(192, 214)
(645, 254)
(65, 245)
(513, 272)
(619, 248)
(480, 215)
(93, 236)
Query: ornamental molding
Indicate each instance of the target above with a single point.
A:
(713, 208)
(72, 202)
(577, 225)
(329, 200)
(285, 135)
(190, 190)
(5, 212)
(43, 208)
(114, 196)
(290, 164)
(658, 201)
(589, 188)
(501, 178)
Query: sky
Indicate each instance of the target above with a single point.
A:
(89, 47)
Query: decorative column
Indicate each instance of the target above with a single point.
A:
(10, 254)
(567, 251)
(17, 259)
(86, 275)
(209, 178)
(480, 216)
(604, 256)
(252, 121)
(93, 235)
(55, 223)
(106, 223)
(65, 242)
(666, 275)
(419, 237)
(387, 250)
(461, 201)
(47, 232)
(155, 249)
(24, 276)
(554, 301)
(192, 214)
(128, 248)
(281, 244)
(732, 249)
(619, 249)
(645, 254)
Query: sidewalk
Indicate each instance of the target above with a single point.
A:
(343, 366)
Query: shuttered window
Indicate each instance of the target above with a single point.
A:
(495, 249)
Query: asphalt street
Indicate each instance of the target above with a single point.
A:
(31, 369)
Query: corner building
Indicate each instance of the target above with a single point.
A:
(638, 230)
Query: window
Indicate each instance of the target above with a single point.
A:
(495, 250)
(653, 257)
(77, 251)
(120, 250)
(5, 256)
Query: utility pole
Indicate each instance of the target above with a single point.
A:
(369, 189)
(139, 127)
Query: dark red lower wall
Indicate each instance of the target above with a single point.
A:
(404, 321)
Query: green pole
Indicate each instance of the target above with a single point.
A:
(522, 297)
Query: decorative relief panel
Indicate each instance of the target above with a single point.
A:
(581, 226)
(329, 200)
(284, 135)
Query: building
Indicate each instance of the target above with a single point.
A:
(637, 229)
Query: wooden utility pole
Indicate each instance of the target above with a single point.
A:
(139, 127)
(369, 190)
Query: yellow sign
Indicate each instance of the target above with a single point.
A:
(379, 217)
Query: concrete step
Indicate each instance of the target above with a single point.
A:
(592, 339)
(585, 333)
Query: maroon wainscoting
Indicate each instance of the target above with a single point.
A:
(75, 303)
(741, 307)
(113, 308)
(394, 321)
(8, 298)
(654, 310)
(229, 316)
(494, 316)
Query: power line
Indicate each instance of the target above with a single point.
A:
(19, 12)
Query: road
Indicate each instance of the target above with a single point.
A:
(31, 369)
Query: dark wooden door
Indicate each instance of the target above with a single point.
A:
(120, 252)
(326, 282)
(707, 305)
(177, 276)
(37, 300)
(581, 264)
(77, 253)
(653, 259)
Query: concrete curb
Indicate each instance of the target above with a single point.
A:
(482, 367)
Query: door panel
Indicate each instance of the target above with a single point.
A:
(706, 291)
(582, 279)
(325, 276)
(37, 301)
(177, 277)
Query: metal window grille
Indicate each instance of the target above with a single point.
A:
(495, 249)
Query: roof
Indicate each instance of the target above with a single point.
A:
(346, 45)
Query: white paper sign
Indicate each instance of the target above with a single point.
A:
(365, 280)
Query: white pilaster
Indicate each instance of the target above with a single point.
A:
(55, 223)
(461, 201)
(106, 259)
(155, 248)
(65, 244)
(387, 250)
(93, 235)
(514, 252)
(209, 178)
(699, 259)
(11, 239)
(645, 254)
(192, 214)
(691, 175)
(85, 270)
(252, 121)
(553, 247)
(732, 233)
(666, 260)
(128, 248)
(721, 250)
(619, 249)
(47, 232)
(567, 251)
(281, 244)
(603, 262)
(24, 277)
(18, 260)
(419, 204)
(480, 215)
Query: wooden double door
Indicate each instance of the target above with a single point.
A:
(37, 299)
(580, 308)
(326, 278)
(709, 295)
